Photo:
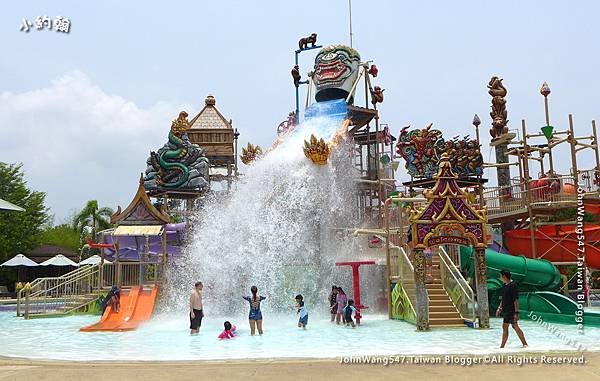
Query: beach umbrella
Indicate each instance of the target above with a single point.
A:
(7, 206)
(93, 260)
(59, 260)
(19, 260)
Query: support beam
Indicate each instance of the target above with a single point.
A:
(528, 188)
(483, 310)
(573, 142)
(595, 143)
(422, 307)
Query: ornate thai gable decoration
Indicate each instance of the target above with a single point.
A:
(447, 217)
(423, 148)
(140, 211)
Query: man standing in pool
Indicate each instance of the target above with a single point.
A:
(196, 313)
(509, 308)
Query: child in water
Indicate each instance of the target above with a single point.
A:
(229, 332)
(302, 311)
(348, 310)
(113, 299)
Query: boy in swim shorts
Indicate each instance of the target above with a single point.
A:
(302, 312)
(348, 310)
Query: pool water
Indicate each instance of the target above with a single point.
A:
(167, 337)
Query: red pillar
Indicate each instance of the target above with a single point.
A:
(356, 284)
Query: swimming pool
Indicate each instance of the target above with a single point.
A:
(166, 338)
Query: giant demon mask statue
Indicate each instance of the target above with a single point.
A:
(336, 70)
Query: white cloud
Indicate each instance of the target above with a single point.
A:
(78, 143)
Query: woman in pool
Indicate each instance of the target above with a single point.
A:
(333, 302)
(255, 316)
(341, 300)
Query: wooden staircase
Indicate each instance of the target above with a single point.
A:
(442, 312)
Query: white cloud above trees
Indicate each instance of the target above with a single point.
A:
(78, 143)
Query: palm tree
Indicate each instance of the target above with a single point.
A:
(92, 219)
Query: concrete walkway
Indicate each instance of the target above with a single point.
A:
(330, 370)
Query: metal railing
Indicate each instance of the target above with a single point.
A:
(456, 287)
(505, 200)
(72, 291)
(51, 296)
(136, 273)
(403, 274)
(560, 189)
(45, 283)
(514, 199)
(589, 180)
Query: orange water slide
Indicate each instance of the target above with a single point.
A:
(556, 243)
(592, 208)
(137, 305)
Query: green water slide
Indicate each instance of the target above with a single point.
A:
(538, 281)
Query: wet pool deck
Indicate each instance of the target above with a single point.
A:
(305, 369)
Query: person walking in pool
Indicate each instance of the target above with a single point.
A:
(509, 308)
(348, 311)
(341, 300)
(255, 316)
(302, 312)
(333, 302)
(196, 313)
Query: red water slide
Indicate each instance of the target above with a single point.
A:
(556, 243)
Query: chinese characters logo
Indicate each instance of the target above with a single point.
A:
(61, 24)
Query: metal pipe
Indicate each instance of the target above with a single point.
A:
(573, 142)
(584, 146)
(309, 92)
(595, 143)
(353, 88)
(546, 110)
(164, 252)
(235, 136)
(388, 258)
(350, 12)
(368, 231)
(528, 188)
(101, 269)
(557, 142)
(492, 165)
(408, 199)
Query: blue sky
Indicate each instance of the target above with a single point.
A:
(82, 110)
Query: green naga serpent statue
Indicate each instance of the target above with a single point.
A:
(179, 164)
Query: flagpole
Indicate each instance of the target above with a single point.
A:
(350, 11)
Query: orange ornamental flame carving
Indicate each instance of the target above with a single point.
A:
(250, 153)
(316, 150)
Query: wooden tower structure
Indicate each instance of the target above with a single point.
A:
(215, 134)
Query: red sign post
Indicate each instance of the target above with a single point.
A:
(356, 284)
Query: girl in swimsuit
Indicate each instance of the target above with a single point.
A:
(255, 316)
(333, 302)
(341, 300)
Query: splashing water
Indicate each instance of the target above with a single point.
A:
(273, 231)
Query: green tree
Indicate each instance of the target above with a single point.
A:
(62, 235)
(19, 231)
(92, 219)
